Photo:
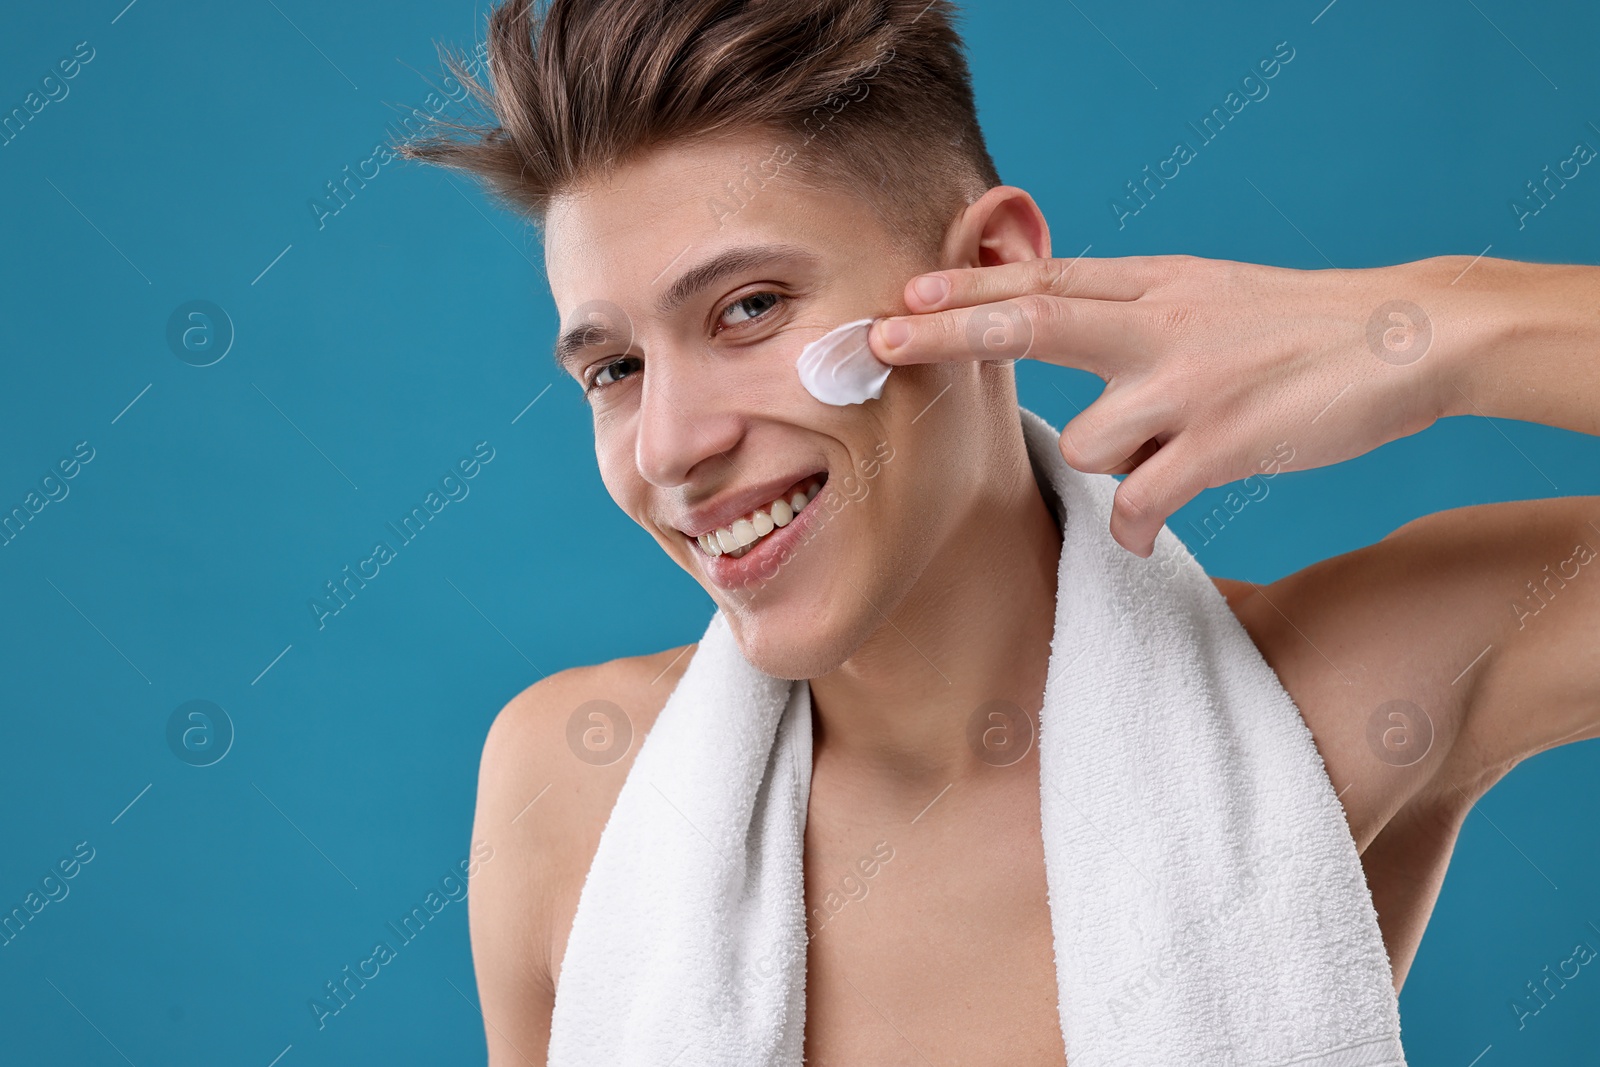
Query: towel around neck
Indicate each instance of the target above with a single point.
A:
(1218, 913)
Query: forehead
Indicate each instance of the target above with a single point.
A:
(635, 229)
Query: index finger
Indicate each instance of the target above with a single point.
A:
(1098, 336)
(1106, 278)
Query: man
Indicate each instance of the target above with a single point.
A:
(718, 184)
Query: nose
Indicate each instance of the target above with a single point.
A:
(685, 417)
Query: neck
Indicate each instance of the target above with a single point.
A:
(976, 628)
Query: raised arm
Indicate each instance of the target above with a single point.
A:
(1211, 366)
(1535, 351)
(1427, 670)
(1514, 618)
(1490, 615)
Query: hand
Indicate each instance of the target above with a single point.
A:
(1211, 365)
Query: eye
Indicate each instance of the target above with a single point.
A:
(745, 309)
(762, 302)
(599, 379)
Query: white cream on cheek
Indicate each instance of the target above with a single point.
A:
(839, 368)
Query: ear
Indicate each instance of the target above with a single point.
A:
(1003, 225)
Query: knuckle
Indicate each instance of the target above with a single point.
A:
(1175, 316)
(1134, 502)
(1042, 310)
(1048, 275)
(1175, 268)
(1167, 396)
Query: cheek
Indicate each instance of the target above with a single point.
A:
(618, 473)
(764, 377)
(769, 383)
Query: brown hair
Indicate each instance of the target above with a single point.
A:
(871, 97)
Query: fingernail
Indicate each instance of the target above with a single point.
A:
(932, 288)
(894, 333)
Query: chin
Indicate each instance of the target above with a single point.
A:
(794, 645)
(817, 622)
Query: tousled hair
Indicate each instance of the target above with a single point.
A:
(868, 97)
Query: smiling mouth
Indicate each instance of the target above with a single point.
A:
(744, 534)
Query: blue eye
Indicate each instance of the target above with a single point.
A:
(595, 380)
(753, 307)
(765, 301)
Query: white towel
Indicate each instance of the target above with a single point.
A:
(1212, 908)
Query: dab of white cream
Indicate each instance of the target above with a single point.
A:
(839, 368)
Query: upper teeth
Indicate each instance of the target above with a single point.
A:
(736, 539)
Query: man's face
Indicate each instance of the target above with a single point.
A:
(697, 403)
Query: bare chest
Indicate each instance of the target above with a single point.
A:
(930, 941)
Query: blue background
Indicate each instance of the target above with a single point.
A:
(373, 353)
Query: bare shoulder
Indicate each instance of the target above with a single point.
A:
(1357, 643)
(1232, 590)
(580, 720)
(1414, 660)
(1415, 666)
(553, 763)
(1345, 639)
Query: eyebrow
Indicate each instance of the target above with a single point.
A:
(692, 281)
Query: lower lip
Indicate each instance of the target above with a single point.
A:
(753, 569)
